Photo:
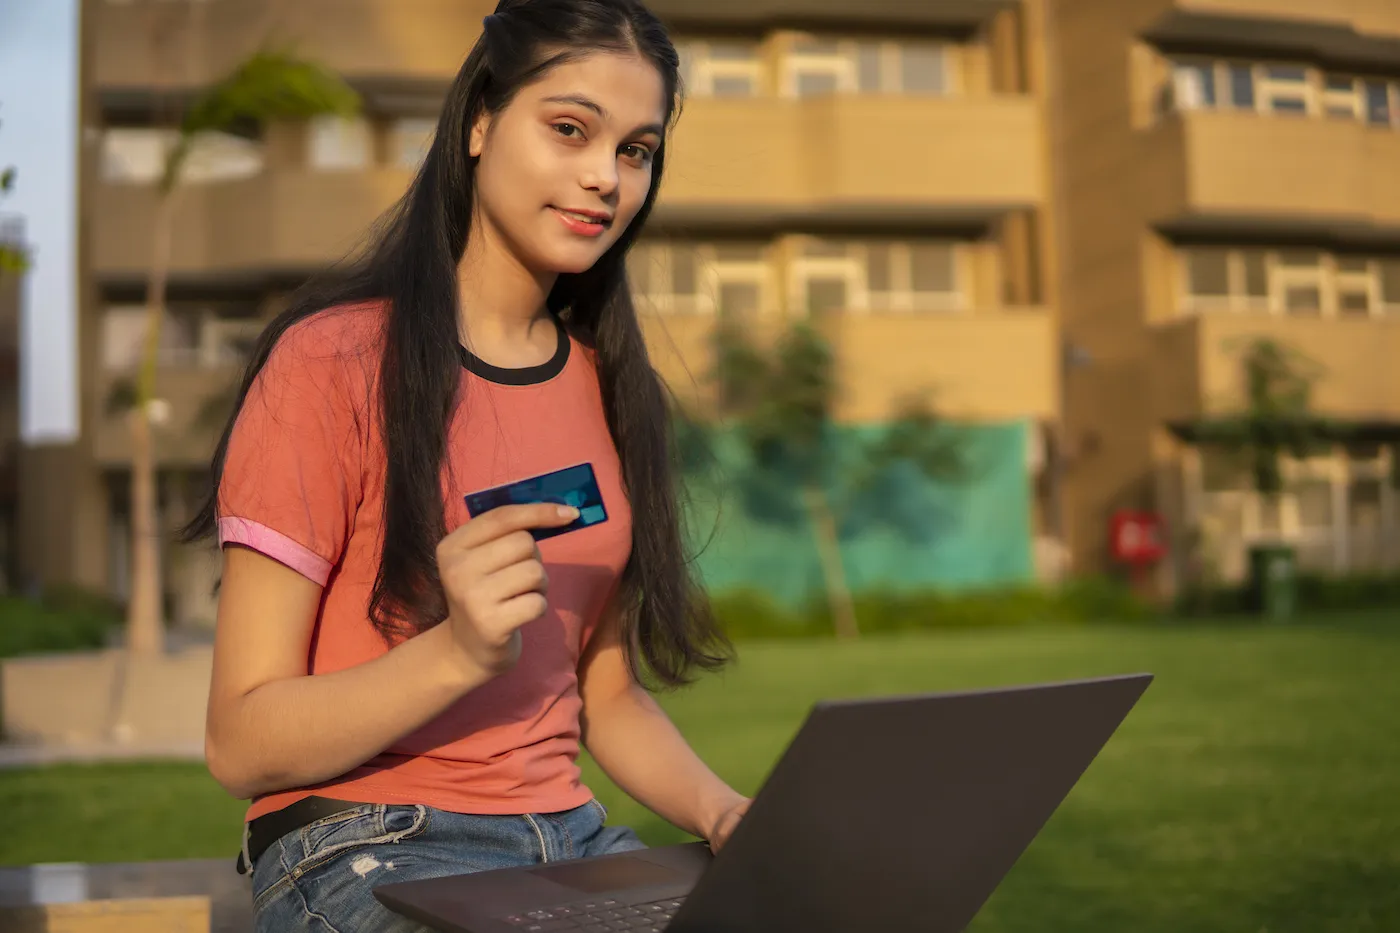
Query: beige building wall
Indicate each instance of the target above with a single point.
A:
(1147, 178)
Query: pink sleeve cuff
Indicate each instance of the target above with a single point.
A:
(275, 545)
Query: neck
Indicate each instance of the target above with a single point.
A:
(500, 300)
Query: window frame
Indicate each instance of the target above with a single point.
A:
(702, 69)
(854, 268)
(330, 129)
(710, 272)
(1328, 276)
(844, 63)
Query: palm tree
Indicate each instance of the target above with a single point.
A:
(13, 257)
(779, 403)
(270, 85)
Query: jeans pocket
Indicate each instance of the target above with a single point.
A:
(371, 824)
(602, 810)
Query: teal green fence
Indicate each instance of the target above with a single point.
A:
(912, 533)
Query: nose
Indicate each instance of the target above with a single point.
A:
(600, 172)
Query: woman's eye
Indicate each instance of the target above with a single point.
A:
(567, 130)
(640, 153)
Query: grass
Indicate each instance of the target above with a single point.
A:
(1253, 789)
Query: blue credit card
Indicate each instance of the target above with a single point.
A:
(575, 485)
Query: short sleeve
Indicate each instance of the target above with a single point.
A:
(291, 479)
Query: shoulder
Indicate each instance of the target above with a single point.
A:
(337, 350)
(335, 334)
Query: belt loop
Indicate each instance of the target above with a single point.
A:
(245, 860)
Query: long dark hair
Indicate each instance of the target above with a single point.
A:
(411, 265)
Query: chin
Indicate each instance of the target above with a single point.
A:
(573, 261)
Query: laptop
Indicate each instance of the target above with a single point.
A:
(891, 813)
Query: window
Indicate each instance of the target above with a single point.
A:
(1340, 98)
(1255, 263)
(829, 277)
(412, 138)
(136, 155)
(817, 67)
(1378, 103)
(1284, 89)
(1390, 285)
(1355, 285)
(932, 272)
(871, 67)
(339, 144)
(228, 341)
(1242, 86)
(923, 69)
(1298, 279)
(877, 275)
(1288, 89)
(1339, 511)
(677, 277)
(1194, 84)
(124, 338)
(1365, 523)
(1302, 282)
(727, 68)
(131, 154)
(1208, 273)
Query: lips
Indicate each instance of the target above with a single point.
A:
(587, 217)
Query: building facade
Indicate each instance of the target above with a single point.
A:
(887, 175)
(1229, 170)
(1061, 214)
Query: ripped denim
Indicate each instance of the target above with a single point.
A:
(321, 877)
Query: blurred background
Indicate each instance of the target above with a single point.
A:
(1011, 340)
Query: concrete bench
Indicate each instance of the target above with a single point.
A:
(129, 915)
(183, 896)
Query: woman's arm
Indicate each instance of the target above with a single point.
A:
(270, 725)
(642, 751)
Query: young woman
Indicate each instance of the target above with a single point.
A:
(400, 689)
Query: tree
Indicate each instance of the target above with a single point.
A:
(13, 257)
(270, 85)
(1276, 418)
(779, 403)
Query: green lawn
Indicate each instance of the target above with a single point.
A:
(1256, 788)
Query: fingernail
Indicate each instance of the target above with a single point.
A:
(568, 511)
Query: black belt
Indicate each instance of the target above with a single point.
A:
(268, 828)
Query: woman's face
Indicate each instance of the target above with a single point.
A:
(565, 167)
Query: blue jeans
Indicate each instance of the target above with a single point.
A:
(321, 877)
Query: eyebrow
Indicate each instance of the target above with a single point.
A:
(589, 103)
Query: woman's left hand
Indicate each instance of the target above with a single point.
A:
(725, 824)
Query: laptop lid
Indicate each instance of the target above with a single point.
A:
(905, 813)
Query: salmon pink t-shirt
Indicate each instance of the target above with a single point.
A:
(303, 483)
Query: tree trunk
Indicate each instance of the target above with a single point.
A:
(145, 625)
(838, 593)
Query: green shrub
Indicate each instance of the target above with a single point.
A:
(1316, 593)
(753, 615)
(1324, 593)
(66, 619)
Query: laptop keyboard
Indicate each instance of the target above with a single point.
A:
(604, 916)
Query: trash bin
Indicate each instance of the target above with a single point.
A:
(1273, 581)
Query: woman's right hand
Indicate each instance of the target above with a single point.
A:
(495, 580)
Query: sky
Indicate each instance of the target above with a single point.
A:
(39, 41)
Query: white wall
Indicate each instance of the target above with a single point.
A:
(39, 92)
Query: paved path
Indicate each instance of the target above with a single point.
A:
(27, 756)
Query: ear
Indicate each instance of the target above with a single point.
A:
(476, 139)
